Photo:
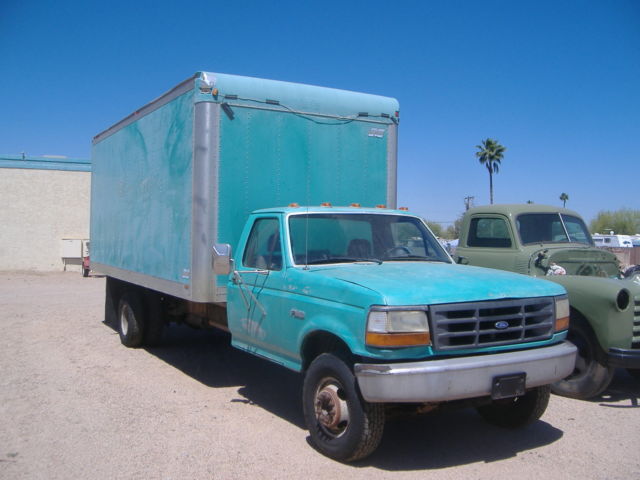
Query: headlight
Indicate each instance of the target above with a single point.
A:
(623, 299)
(397, 328)
(562, 313)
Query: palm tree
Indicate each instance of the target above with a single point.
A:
(564, 197)
(490, 153)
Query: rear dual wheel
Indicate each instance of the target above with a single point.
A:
(140, 318)
(130, 319)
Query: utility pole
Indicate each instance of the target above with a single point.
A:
(468, 202)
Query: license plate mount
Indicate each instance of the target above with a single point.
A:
(508, 386)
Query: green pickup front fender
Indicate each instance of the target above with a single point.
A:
(606, 303)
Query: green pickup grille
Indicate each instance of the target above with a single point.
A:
(635, 341)
(459, 326)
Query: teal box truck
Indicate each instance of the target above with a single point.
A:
(268, 209)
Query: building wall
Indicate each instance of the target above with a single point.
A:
(38, 208)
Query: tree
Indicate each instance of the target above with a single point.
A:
(564, 197)
(623, 222)
(436, 228)
(490, 153)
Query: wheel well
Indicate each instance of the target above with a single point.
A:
(321, 342)
(576, 318)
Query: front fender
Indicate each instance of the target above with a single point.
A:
(596, 299)
(347, 326)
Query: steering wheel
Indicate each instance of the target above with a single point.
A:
(397, 249)
(586, 270)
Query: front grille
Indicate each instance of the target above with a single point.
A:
(458, 326)
(635, 341)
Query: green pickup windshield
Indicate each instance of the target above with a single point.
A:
(337, 238)
(552, 228)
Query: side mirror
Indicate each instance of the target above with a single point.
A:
(463, 261)
(221, 259)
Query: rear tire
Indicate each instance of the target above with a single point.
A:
(518, 411)
(590, 376)
(130, 319)
(342, 425)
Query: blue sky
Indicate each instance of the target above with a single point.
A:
(556, 82)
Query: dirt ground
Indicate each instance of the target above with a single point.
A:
(76, 404)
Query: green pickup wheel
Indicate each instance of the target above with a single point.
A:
(341, 424)
(518, 411)
(590, 376)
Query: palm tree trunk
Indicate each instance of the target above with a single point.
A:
(491, 187)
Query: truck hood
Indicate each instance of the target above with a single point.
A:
(421, 283)
(586, 261)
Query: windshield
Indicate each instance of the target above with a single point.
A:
(552, 228)
(320, 238)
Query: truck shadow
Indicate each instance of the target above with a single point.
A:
(454, 438)
(623, 392)
(208, 357)
(431, 441)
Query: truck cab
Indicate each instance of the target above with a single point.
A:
(373, 310)
(555, 244)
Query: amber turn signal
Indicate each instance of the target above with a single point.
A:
(398, 339)
(562, 323)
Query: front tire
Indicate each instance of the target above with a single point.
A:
(130, 320)
(590, 376)
(342, 425)
(518, 411)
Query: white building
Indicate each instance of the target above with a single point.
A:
(45, 212)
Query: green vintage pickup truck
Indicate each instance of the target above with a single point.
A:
(554, 243)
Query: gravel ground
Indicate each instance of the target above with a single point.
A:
(75, 403)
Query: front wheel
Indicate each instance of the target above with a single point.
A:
(342, 425)
(590, 376)
(518, 411)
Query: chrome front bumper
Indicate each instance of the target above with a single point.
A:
(461, 377)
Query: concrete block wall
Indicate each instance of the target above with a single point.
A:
(38, 208)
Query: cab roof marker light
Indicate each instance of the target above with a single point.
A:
(381, 206)
(294, 205)
(357, 205)
(404, 209)
(325, 204)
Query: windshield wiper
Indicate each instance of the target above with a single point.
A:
(343, 260)
(417, 257)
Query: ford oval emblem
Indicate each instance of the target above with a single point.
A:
(501, 325)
